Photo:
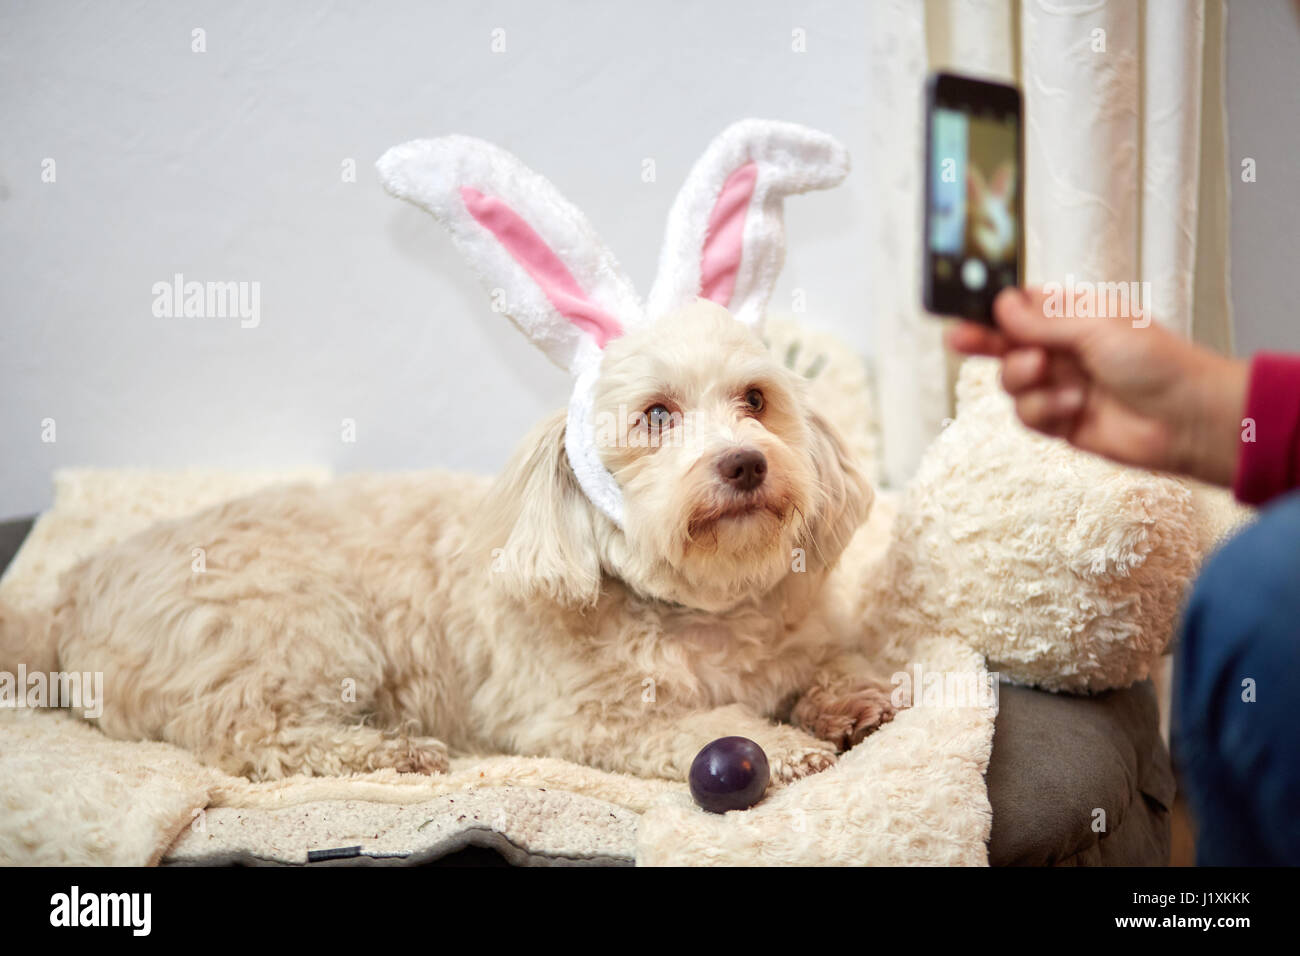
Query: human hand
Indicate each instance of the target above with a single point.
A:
(1140, 396)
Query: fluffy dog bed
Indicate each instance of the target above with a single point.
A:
(912, 793)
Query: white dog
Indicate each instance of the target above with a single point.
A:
(389, 621)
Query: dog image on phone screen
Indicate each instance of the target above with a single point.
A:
(991, 213)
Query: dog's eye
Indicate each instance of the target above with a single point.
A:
(754, 399)
(658, 416)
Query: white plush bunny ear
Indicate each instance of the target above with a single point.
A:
(541, 262)
(726, 236)
(535, 252)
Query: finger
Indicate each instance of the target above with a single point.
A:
(970, 338)
(1064, 368)
(1023, 369)
(1025, 320)
(1050, 410)
(1037, 298)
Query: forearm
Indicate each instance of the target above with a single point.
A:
(1211, 413)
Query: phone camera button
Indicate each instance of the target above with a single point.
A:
(973, 274)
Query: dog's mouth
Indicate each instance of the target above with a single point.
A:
(736, 508)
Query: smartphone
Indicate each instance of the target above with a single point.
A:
(973, 237)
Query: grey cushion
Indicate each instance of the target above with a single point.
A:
(12, 535)
(1057, 759)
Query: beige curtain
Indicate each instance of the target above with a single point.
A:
(1125, 179)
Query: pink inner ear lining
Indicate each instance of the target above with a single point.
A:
(724, 240)
(546, 268)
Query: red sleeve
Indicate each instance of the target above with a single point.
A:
(1270, 465)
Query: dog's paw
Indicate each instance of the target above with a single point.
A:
(844, 715)
(426, 755)
(789, 765)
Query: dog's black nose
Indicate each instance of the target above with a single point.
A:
(743, 469)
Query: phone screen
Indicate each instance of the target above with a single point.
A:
(973, 182)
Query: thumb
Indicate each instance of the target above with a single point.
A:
(1022, 315)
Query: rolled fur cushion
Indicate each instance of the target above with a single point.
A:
(1066, 571)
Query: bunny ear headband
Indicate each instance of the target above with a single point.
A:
(563, 288)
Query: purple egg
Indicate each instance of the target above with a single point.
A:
(729, 774)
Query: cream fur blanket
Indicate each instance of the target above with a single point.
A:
(912, 793)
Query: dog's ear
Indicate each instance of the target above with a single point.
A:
(845, 495)
(538, 526)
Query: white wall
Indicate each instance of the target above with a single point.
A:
(1264, 125)
(226, 165)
